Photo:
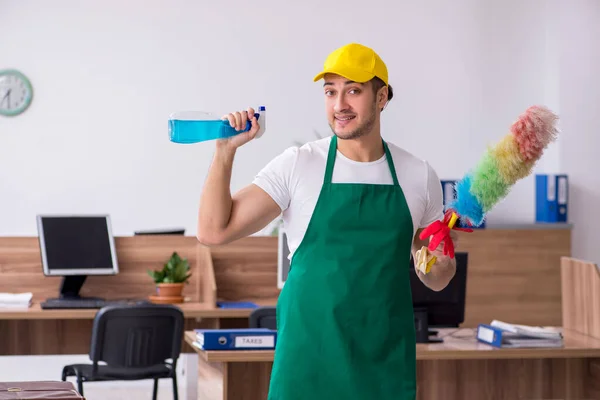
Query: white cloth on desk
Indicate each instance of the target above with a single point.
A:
(10, 300)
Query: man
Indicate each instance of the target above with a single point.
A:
(353, 207)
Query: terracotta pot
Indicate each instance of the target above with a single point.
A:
(166, 300)
(169, 289)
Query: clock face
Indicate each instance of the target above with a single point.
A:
(15, 92)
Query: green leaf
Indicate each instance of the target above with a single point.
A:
(180, 271)
(175, 270)
(157, 276)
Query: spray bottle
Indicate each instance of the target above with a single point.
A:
(186, 127)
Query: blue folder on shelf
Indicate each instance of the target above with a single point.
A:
(500, 337)
(236, 339)
(236, 304)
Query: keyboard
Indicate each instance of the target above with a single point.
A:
(53, 304)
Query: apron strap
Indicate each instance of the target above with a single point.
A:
(332, 154)
(330, 159)
(390, 161)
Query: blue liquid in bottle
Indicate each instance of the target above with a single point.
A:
(196, 126)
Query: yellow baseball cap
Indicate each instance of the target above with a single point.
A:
(355, 62)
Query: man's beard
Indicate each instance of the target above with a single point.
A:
(360, 131)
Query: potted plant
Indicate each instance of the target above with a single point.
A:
(170, 280)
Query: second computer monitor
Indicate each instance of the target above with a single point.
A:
(444, 308)
(283, 262)
(173, 231)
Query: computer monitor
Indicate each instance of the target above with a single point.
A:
(174, 231)
(283, 262)
(74, 247)
(443, 309)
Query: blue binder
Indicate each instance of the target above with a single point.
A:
(502, 338)
(236, 339)
(490, 335)
(551, 198)
(236, 304)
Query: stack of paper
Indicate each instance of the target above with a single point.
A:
(15, 300)
(502, 334)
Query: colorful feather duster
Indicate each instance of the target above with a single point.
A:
(510, 160)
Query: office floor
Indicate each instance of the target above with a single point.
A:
(99, 393)
(144, 392)
(41, 368)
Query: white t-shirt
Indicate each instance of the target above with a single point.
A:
(295, 177)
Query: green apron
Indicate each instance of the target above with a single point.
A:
(345, 317)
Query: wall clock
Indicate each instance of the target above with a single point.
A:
(16, 92)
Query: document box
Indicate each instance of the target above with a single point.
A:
(55, 390)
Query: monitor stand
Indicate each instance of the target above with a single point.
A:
(70, 287)
(434, 339)
(423, 333)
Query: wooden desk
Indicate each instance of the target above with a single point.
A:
(499, 281)
(35, 331)
(460, 368)
(190, 310)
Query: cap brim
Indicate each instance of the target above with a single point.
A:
(353, 75)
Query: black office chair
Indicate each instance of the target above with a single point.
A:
(133, 342)
(263, 317)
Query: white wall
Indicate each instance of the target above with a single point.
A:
(107, 75)
(579, 27)
(517, 71)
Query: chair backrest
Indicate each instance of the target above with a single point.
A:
(263, 317)
(135, 336)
